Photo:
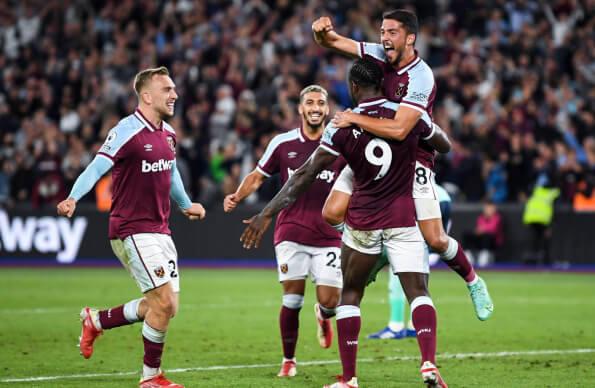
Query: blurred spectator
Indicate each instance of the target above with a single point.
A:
(515, 85)
(487, 237)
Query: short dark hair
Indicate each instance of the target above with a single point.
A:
(366, 73)
(407, 18)
(143, 77)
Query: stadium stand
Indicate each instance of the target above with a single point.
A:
(516, 87)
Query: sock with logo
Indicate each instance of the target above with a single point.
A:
(154, 341)
(424, 321)
(457, 260)
(289, 322)
(396, 298)
(122, 315)
(348, 326)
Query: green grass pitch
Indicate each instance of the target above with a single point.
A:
(228, 321)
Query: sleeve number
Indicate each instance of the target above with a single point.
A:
(332, 262)
(420, 176)
(385, 158)
(172, 268)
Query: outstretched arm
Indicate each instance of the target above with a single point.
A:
(249, 185)
(83, 184)
(325, 36)
(296, 185)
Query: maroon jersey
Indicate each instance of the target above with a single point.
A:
(142, 157)
(382, 170)
(411, 85)
(301, 222)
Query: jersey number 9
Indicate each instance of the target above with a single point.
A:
(385, 158)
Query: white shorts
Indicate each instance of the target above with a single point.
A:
(405, 247)
(344, 182)
(151, 259)
(296, 261)
(425, 196)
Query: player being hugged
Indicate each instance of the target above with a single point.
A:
(381, 214)
(409, 81)
(141, 152)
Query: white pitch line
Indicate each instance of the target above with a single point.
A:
(274, 303)
(306, 363)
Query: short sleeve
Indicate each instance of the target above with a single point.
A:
(372, 51)
(117, 137)
(328, 141)
(269, 163)
(419, 90)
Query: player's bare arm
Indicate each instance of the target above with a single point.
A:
(396, 129)
(325, 36)
(249, 185)
(439, 140)
(296, 185)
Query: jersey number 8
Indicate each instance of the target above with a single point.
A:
(385, 158)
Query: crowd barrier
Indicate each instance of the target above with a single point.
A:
(40, 236)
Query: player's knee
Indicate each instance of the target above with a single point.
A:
(166, 305)
(438, 242)
(174, 311)
(330, 300)
(351, 297)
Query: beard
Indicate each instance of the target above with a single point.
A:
(314, 126)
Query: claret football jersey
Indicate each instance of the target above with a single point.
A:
(142, 157)
(382, 169)
(411, 85)
(302, 221)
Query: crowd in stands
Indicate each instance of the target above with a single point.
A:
(515, 78)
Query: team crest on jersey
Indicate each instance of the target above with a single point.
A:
(400, 89)
(159, 272)
(292, 154)
(172, 144)
(284, 268)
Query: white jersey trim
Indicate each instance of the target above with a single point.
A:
(260, 170)
(329, 149)
(369, 103)
(431, 133)
(123, 128)
(417, 108)
(409, 66)
(145, 123)
(105, 157)
(276, 142)
(169, 128)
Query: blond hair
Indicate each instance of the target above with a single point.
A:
(313, 89)
(143, 77)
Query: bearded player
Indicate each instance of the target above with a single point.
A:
(381, 215)
(409, 81)
(304, 243)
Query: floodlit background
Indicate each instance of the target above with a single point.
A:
(516, 93)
